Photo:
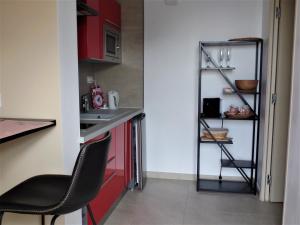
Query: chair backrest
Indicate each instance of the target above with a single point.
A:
(87, 176)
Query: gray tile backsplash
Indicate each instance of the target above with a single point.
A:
(85, 69)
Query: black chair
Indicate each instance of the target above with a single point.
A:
(61, 194)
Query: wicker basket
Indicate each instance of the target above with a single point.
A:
(217, 133)
(239, 115)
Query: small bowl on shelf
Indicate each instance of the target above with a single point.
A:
(229, 114)
(233, 110)
(228, 90)
(246, 85)
(239, 115)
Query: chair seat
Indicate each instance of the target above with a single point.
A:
(36, 194)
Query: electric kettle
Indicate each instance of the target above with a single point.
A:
(113, 100)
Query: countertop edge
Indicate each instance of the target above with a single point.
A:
(123, 119)
(27, 132)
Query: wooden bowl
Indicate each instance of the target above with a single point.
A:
(246, 85)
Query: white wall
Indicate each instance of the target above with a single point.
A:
(292, 189)
(172, 34)
(30, 89)
(69, 90)
(39, 79)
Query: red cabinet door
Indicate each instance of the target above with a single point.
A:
(89, 34)
(120, 158)
(112, 148)
(90, 28)
(114, 179)
(110, 169)
(111, 10)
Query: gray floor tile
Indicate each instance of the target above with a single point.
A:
(120, 217)
(166, 202)
(221, 218)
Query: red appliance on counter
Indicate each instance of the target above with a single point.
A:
(97, 97)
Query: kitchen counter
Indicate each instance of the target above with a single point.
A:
(11, 128)
(103, 126)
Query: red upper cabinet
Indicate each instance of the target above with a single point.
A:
(89, 36)
(91, 32)
(112, 12)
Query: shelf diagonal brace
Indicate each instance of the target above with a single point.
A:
(226, 78)
(226, 152)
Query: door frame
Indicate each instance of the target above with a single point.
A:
(264, 193)
(265, 189)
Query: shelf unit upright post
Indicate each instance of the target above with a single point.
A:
(249, 185)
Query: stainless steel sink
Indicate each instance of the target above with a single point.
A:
(102, 115)
(85, 126)
(98, 116)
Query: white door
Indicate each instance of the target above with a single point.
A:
(291, 209)
(279, 117)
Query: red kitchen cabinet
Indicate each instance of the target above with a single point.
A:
(112, 12)
(89, 35)
(112, 148)
(110, 169)
(104, 200)
(91, 28)
(120, 158)
(114, 178)
(111, 158)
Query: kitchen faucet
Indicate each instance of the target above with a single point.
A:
(85, 104)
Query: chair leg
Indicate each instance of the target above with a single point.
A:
(1, 216)
(53, 219)
(43, 219)
(90, 213)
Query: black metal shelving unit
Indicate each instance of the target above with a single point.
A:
(247, 168)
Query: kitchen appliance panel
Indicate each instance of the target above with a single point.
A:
(139, 150)
(211, 107)
(112, 43)
(113, 99)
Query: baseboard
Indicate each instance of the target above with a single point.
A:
(184, 176)
(171, 176)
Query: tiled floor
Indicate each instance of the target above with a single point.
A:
(176, 202)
